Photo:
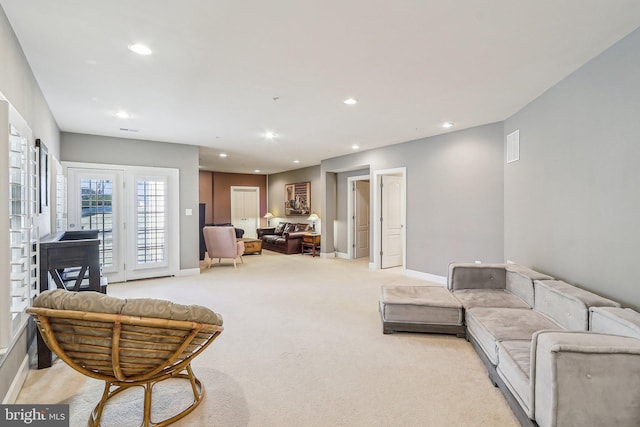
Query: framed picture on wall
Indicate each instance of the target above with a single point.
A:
(43, 176)
(297, 199)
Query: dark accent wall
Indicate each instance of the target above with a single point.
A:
(572, 201)
(215, 193)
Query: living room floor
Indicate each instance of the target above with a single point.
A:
(302, 346)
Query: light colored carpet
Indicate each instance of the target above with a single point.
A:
(302, 346)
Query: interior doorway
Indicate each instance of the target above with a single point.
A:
(389, 237)
(245, 209)
(359, 217)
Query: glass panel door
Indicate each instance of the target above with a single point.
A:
(152, 250)
(94, 201)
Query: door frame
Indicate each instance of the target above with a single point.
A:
(351, 212)
(377, 228)
(245, 187)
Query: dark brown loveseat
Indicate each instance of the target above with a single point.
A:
(286, 238)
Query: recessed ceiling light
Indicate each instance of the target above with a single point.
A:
(350, 101)
(140, 49)
(296, 161)
(269, 135)
(256, 170)
(223, 154)
(122, 115)
(355, 147)
(447, 125)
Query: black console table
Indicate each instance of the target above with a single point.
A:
(69, 260)
(72, 260)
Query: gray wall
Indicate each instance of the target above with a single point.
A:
(454, 195)
(341, 238)
(19, 86)
(572, 202)
(120, 151)
(275, 191)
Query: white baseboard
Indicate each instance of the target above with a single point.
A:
(18, 381)
(327, 254)
(188, 272)
(342, 255)
(441, 280)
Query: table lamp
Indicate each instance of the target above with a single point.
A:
(268, 216)
(313, 217)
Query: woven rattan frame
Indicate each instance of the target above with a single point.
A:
(127, 351)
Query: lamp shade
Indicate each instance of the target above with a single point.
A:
(268, 215)
(313, 217)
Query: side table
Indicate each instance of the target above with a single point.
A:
(312, 241)
(251, 246)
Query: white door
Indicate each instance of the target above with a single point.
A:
(245, 209)
(136, 219)
(95, 203)
(361, 217)
(152, 243)
(391, 221)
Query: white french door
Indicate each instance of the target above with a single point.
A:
(133, 211)
(94, 198)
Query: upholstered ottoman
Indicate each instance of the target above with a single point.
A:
(430, 309)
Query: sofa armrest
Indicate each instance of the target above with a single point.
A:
(476, 276)
(585, 378)
(265, 231)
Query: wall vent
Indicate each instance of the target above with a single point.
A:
(513, 146)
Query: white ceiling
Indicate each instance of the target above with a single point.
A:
(217, 67)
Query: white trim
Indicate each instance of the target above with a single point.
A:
(377, 179)
(342, 255)
(441, 280)
(372, 266)
(18, 382)
(188, 272)
(350, 225)
(327, 254)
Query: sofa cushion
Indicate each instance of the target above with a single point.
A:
(514, 367)
(566, 304)
(471, 298)
(270, 238)
(60, 299)
(615, 320)
(519, 281)
(302, 227)
(280, 228)
(476, 276)
(489, 325)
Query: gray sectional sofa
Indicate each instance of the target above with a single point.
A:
(561, 355)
